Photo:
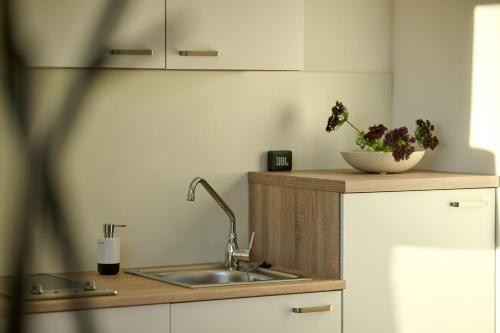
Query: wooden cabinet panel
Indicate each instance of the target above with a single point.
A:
(259, 314)
(296, 228)
(60, 33)
(258, 34)
(415, 264)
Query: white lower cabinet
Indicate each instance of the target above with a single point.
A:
(414, 263)
(322, 313)
(268, 314)
(133, 319)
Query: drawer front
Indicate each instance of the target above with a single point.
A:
(260, 314)
(134, 319)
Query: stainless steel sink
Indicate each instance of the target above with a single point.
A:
(213, 275)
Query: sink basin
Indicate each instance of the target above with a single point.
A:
(213, 275)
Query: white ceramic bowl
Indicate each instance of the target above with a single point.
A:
(379, 162)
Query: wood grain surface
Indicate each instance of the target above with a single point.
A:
(296, 214)
(296, 228)
(352, 181)
(134, 290)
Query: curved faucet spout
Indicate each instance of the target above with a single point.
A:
(232, 245)
(215, 196)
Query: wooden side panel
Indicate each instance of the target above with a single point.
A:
(296, 228)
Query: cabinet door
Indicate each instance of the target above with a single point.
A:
(415, 264)
(134, 319)
(257, 34)
(60, 33)
(259, 314)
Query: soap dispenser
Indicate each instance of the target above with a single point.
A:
(108, 251)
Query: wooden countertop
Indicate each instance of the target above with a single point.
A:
(134, 290)
(352, 181)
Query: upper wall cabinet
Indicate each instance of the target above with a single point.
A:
(315, 35)
(61, 33)
(235, 34)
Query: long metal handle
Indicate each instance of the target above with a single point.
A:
(185, 53)
(468, 204)
(146, 52)
(324, 308)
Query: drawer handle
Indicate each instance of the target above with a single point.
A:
(468, 204)
(184, 53)
(147, 52)
(325, 308)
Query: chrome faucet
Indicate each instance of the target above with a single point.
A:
(232, 255)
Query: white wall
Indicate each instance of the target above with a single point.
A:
(145, 134)
(446, 68)
(348, 36)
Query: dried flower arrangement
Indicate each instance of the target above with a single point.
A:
(379, 138)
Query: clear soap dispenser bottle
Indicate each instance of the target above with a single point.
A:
(108, 251)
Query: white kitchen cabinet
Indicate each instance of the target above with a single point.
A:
(268, 314)
(247, 35)
(412, 261)
(415, 264)
(60, 33)
(134, 319)
(237, 34)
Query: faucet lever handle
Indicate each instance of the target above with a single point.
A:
(244, 254)
(251, 241)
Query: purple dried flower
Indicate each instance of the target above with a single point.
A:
(375, 132)
(400, 142)
(338, 117)
(424, 136)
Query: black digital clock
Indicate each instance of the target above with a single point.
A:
(279, 160)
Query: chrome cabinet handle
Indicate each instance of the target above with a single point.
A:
(185, 53)
(468, 204)
(325, 308)
(147, 52)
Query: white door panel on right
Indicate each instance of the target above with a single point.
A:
(415, 264)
